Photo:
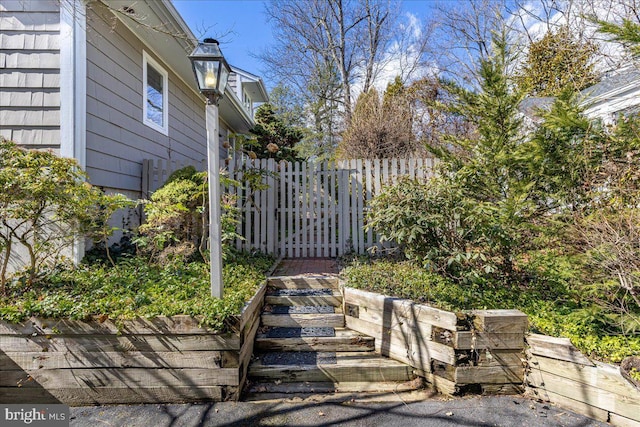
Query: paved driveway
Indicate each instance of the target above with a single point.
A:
(505, 411)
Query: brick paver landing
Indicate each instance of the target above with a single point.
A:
(294, 267)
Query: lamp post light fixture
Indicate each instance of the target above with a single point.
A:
(212, 72)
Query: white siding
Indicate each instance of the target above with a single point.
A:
(30, 72)
(117, 139)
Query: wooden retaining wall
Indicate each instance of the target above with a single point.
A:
(561, 374)
(478, 353)
(165, 359)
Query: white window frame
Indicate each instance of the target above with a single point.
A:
(148, 60)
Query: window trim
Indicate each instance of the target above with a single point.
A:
(148, 60)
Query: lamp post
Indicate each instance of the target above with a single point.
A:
(212, 73)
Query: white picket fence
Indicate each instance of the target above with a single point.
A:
(314, 209)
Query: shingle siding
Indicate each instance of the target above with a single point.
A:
(117, 139)
(30, 72)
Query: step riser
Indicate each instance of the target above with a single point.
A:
(303, 283)
(334, 301)
(303, 320)
(313, 344)
(330, 387)
(331, 373)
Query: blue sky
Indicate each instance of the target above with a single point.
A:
(243, 28)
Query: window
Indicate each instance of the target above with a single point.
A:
(155, 95)
(246, 101)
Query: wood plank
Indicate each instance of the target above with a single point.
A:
(601, 375)
(505, 321)
(118, 377)
(100, 343)
(326, 209)
(309, 281)
(244, 358)
(179, 324)
(397, 322)
(567, 403)
(248, 207)
(620, 421)
(500, 358)
(411, 347)
(345, 236)
(272, 210)
(368, 194)
(282, 208)
(467, 340)
(304, 193)
(360, 206)
(110, 359)
(352, 342)
(253, 305)
(502, 389)
(333, 387)
(263, 211)
(556, 348)
(297, 215)
(480, 374)
(83, 396)
(420, 169)
(402, 308)
(625, 405)
(332, 228)
(349, 366)
(237, 175)
(334, 300)
(353, 207)
(303, 320)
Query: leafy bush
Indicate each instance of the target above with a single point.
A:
(45, 204)
(136, 289)
(177, 218)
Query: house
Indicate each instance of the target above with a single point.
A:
(110, 84)
(617, 93)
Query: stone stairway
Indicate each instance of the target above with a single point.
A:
(303, 346)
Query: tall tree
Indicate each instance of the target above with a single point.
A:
(380, 128)
(274, 139)
(556, 62)
(317, 39)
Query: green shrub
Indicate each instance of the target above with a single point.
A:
(134, 288)
(45, 204)
(177, 218)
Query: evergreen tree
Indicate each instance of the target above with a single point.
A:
(274, 139)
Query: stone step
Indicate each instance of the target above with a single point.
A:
(304, 282)
(294, 320)
(328, 367)
(330, 297)
(307, 387)
(343, 340)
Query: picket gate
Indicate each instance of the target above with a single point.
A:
(314, 209)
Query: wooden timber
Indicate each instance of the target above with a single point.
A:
(304, 282)
(303, 320)
(334, 300)
(163, 359)
(344, 340)
(349, 367)
(556, 348)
